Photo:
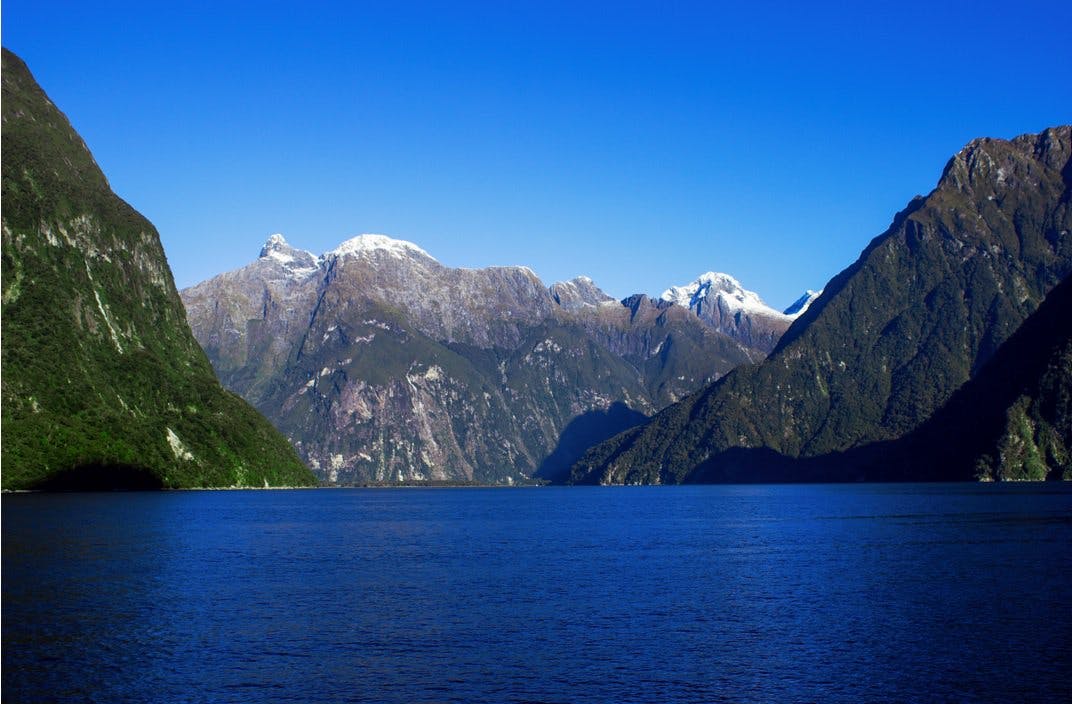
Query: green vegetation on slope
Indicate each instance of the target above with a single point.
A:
(924, 308)
(1013, 422)
(100, 369)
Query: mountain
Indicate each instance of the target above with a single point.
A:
(103, 384)
(1012, 421)
(721, 301)
(801, 305)
(891, 338)
(382, 365)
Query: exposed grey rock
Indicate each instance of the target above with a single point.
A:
(381, 364)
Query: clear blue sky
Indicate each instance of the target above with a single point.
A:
(638, 143)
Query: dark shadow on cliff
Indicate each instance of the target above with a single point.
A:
(100, 477)
(948, 446)
(583, 432)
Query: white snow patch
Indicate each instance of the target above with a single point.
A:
(302, 272)
(367, 244)
(281, 257)
(722, 287)
(276, 249)
(801, 305)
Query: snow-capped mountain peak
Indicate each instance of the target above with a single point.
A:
(295, 261)
(369, 244)
(713, 286)
(802, 304)
(579, 292)
(721, 301)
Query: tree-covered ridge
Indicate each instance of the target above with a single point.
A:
(1012, 421)
(101, 375)
(893, 336)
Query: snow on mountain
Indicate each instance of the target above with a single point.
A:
(578, 293)
(298, 263)
(802, 304)
(368, 244)
(712, 288)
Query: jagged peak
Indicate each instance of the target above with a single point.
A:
(989, 162)
(579, 292)
(580, 282)
(293, 260)
(274, 243)
(718, 285)
(368, 244)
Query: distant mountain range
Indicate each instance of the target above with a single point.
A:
(103, 384)
(923, 311)
(383, 365)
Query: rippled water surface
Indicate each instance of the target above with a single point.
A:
(882, 593)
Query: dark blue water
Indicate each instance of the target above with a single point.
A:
(881, 593)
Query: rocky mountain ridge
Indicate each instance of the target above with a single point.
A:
(381, 364)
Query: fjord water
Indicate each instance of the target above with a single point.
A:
(834, 593)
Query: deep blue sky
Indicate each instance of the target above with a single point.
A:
(638, 143)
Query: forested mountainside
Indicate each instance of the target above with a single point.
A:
(925, 307)
(103, 382)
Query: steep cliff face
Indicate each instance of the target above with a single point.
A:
(103, 384)
(381, 364)
(891, 338)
